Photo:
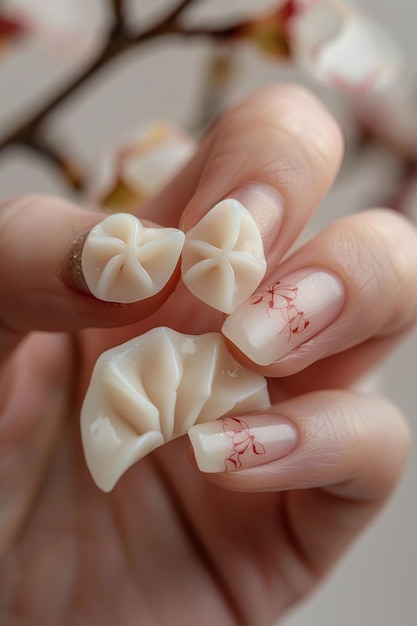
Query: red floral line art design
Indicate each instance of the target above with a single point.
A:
(243, 442)
(280, 297)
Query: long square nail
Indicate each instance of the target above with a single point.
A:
(285, 314)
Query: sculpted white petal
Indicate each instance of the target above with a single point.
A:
(106, 247)
(221, 225)
(154, 255)
(198, 252)
(124, 261)
(135, 279)
(246, 269)
(202, 270)
(213, 282)
(249, 241)
(226, 230)
(125, 416)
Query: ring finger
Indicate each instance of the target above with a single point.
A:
(354, 282)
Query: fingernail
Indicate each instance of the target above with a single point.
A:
(124, 261)
(285, 314)
(223, 259)
(231, 444)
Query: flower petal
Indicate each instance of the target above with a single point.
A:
(343, 47)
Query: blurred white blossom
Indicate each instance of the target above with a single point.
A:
(340, 45)
(66, 25)
(138, 167)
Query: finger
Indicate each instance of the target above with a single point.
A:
(281, 136)
(342, 454)
(267, 163)
(39, 370)
(42, 279)
(339, 371)
(354, 282)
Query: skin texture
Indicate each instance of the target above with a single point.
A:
(168, 540)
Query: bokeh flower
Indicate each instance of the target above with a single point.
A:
(332, 40)
(139, 167)
(340, 45)
(63, 25)
(10, 30)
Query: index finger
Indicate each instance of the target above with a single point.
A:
(269, 162)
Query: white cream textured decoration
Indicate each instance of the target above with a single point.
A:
(125, 261)
(223, 259)
(154, 388)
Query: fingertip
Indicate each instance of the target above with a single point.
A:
(274, 156)
(41, 273)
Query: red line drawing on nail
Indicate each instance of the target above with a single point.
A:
(276, 290)
(295, 319)
(280, 298)
(242, 442)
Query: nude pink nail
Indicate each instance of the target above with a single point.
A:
(235, 443)
(284, 314)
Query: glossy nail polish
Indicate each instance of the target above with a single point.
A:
(236, 443)
(284, 314)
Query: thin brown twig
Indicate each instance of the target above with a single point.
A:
(178, 10)
(118, 8)
(116, 43)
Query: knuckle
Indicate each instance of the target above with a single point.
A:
(376, 251)
(274, 149)
(357, 257)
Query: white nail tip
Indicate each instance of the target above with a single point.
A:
(223, 259)
(153, 389)
(124, 261)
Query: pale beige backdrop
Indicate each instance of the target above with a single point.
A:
(376, 585)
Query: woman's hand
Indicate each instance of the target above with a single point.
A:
(168, 545)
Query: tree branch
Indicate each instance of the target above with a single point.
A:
(116, 44)
(180, 8)
(118, 10)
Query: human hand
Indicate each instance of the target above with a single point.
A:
(170, 545)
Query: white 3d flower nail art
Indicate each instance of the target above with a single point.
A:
(153, 389)
(124, 261)
(223, 259)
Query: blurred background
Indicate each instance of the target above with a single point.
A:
(172, 80)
